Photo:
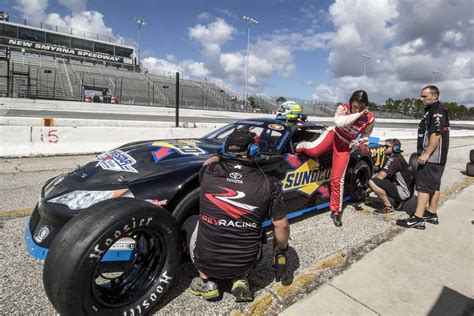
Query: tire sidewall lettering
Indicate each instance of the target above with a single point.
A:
(101, 247)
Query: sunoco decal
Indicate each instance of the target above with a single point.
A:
(306, 178)
(116, 160)
(182, 147)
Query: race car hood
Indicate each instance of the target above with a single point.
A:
(142, 160)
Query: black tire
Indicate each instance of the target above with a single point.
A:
(73, 267)
(471, 155)
(470, 169)
(188, 206)
(413, 163)
(359, 179)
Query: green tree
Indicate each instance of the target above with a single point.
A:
(372, 106)
(252, 102)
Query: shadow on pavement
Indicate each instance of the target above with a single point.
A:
(409, 207)
(262, 276)
(451, 302)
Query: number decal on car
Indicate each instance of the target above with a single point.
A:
(378, 156)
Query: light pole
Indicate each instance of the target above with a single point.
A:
(140, 23)
(434, 72)
(366, 58)
(249, 21)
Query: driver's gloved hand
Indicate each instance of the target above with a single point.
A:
(280, 262)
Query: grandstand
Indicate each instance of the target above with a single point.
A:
(46, 62)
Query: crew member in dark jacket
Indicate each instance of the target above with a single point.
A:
(235, 198)
(432, 149)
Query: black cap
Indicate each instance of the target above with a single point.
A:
(240, 139)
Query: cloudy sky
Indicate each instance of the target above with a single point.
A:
(302, 49)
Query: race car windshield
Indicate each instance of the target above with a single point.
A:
(267, 136)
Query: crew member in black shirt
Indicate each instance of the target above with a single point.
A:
(235, 198)
(394, 180)
(432, 149)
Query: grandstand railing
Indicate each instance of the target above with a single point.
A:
(43, 77)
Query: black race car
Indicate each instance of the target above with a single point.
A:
(110, 230)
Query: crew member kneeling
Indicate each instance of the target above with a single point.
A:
(236, 197)
(395, 180)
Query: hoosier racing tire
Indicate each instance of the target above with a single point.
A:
(359, 181)
(78, 282)
(413, 163)
(470, 169)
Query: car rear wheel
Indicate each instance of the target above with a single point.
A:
(78, 281)
(188, 206)
(359, 180)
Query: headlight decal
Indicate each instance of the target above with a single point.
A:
(77, 200)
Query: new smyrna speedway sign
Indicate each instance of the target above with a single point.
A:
(67, 50)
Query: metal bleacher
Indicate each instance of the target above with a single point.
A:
(45, 77)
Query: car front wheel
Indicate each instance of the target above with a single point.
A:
(77, 279)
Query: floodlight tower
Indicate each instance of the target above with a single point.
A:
(249, 21)
(366, 58)
(434, 72)
(141, 22)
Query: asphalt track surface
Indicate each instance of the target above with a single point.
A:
(312, 238)
(187, 119)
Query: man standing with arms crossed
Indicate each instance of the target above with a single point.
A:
(432, 149)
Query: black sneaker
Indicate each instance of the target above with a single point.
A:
(241, 290)
(412, 222)
(336, 218)
(207, 289)
(431, 218)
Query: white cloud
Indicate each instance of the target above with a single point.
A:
(83, 23)
(166, 67)
(409, 40)
(453, 38)
(32, 10)
(212, 36)
(203, 16)
(269, 55)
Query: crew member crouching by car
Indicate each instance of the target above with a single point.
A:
(395, 180)
(235, 198)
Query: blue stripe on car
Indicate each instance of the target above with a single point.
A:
(40, 253)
